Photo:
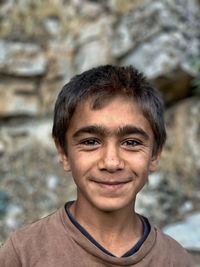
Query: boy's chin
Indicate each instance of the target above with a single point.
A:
(113, 205)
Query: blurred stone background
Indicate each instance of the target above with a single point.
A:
(44, 43)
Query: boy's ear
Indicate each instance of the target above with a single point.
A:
(63, 159)
(154, 161)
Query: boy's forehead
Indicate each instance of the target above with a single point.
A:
(115, 114)
(90, 105)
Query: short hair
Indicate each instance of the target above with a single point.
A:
(101, 84)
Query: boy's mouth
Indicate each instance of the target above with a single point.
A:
(111, 184)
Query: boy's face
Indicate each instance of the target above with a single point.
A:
(109, 152)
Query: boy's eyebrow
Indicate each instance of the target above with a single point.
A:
(121, 131)
(131, 129)
(91, 129)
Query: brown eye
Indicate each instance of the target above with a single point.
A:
(131, 142)
(90, 142)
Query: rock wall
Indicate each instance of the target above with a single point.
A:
(42, 44)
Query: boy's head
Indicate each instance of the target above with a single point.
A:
(101, 85)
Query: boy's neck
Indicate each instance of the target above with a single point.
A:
(116, 231)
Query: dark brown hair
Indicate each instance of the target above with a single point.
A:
(101, 84)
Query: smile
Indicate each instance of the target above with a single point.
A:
(111, 184)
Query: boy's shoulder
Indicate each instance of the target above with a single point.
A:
(36, 241)
(172, 248)
(167, 240)
(37, 231)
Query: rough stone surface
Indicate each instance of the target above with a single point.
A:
(38, 40)
(94, 46)
(18, 96)
(181, 156)
(21, 59)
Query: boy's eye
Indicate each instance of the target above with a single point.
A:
(90, 142)
(131, 143)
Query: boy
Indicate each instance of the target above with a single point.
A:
(109, 132)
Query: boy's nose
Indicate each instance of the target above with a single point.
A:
(110, 159)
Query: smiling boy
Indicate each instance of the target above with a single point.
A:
(109, 132)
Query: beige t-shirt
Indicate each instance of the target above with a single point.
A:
(56, 241)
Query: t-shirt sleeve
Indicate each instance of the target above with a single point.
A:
(8, 255)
